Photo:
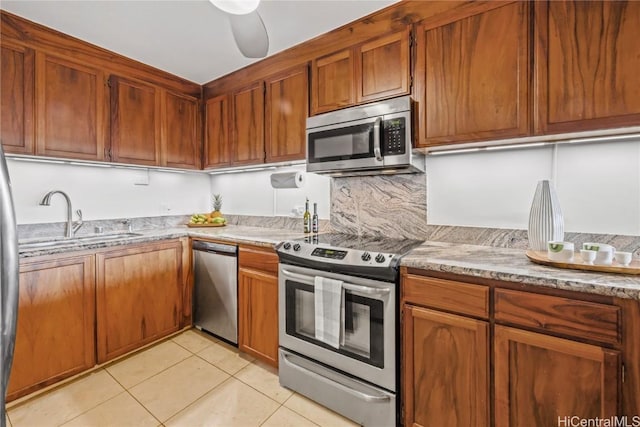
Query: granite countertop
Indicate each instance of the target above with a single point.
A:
(505, 264)
(512, 265)
(259, 236)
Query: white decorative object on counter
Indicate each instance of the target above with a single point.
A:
(545, 218)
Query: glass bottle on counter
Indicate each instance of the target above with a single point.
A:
(307, 217)
(314, 220)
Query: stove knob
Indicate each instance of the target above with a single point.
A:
(366, 256)
(380, 258)
(287, 246)
(296, 247)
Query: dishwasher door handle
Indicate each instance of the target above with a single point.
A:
(217, 248)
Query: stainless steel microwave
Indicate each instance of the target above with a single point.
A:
(368, 139)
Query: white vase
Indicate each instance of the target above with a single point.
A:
(545, 217)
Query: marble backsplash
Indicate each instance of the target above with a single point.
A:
(395, 206)
(57, 229)
(392, 206)
(382, 205)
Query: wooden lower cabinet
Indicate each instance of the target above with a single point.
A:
(258, 304)
(138, 296)
(540, 379)
(55, 332)
(446, 369)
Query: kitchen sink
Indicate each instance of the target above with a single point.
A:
(58, 241)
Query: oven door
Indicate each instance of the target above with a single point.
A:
(345, 146)
(368, 348)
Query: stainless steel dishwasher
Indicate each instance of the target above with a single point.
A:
(215, 295)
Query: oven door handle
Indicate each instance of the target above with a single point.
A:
(366, 290)
(360, 395)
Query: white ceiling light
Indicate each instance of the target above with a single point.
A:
(236, 7)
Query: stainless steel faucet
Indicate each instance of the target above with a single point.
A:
(71, 226)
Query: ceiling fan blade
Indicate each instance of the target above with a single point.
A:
(250, 34)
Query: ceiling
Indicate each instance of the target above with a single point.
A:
(188, 38)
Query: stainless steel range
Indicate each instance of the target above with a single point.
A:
(338, 321)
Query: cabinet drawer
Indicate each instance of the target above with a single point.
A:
(264, 259)
(458, 297)
(581, 319)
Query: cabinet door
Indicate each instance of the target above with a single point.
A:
(287, 107)
(332, 82)
(258, 314)
(16, 98)
(471, 87)
(446, 369)
(138, 296)
(135, 122)
(55, 333)
(541, 379)
(247, 125)
(382, 67)
(181, 135)
(70, 109)
(217, 150)
(587, 65)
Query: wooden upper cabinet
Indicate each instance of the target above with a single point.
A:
(472, 77)
(332, 82)
(446, 369)
(70, 109)
(16, 98)
(247, 125)
(135, 122)
(286, 110)
(540, 379)
(382, 67)
(181, 136)
(587, 65)
(217, 151)
(55, 335)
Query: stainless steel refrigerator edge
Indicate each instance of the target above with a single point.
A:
(9, 270)
(215, 294)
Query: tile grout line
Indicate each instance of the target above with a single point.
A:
(200, 398)
(92, 408)
(144, 407)
(302, 415)
(192, 354)
(157, 373)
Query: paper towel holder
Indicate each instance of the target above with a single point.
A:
(288, 180)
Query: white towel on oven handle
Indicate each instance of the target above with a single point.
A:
(329, 310)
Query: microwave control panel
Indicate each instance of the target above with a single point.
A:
(393, 136)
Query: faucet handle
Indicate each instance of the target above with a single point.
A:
(129, 225)
(79, 213)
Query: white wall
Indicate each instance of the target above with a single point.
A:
(250, 193)
(598, 185)
(104, 193)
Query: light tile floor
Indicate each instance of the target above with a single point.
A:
(190, 380)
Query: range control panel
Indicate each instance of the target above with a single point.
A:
(317, 252)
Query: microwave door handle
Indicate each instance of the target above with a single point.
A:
(366, 290)
(376, 139)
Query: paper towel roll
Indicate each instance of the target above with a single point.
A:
(288, 180)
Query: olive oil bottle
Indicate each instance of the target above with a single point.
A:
(307, 217)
